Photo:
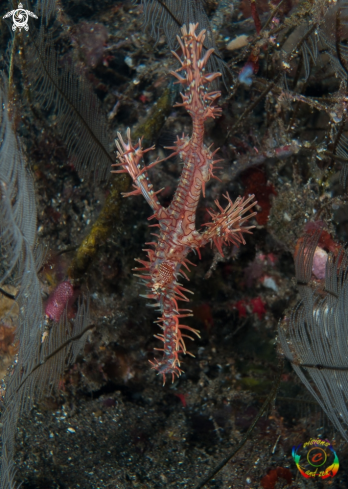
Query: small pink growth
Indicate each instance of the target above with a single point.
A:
(272, 259)
(325, 245)
(255, 270)
(319, 263)
(258, 307)
(255, 16)
(241, 308)
(182, 398)
(143, 98)
(283, 151)
(58, 300)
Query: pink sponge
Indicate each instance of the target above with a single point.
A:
(319, 263)
(58, 300)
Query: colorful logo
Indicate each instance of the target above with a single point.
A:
(316, 458)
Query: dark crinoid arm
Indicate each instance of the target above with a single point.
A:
(314, 335)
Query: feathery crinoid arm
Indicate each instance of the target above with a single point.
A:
(168, 16)
(313, 336)
(130, 157)
(60, 89)
(43, 347)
